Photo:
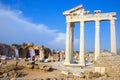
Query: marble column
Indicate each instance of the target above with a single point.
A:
(97, 39)
(113, 36)
(69, 43)
(82, 51)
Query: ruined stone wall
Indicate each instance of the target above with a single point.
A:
(109, 65)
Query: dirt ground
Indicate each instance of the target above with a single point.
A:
(37, 74)
(54, 74)
(31, 74)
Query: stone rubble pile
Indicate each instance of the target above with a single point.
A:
(86, 75)
(33, 65)
(10, 71)
(108, 65)
(3, 59)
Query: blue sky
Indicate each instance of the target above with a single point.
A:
(42, 22)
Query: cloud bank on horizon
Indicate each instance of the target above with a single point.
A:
(15, 28)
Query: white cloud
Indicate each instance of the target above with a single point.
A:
(60, 41)
(14, 28)
(60, 38)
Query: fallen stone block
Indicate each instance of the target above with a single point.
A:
(36, 66)
(45, 67)
(65, 73)
(81, 75)
(101, 70)
(96, 75)
(30, 63)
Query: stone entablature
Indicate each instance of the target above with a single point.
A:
(78, 14)
(91, 17)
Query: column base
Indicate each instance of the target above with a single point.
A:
(95, 58)
(115, 53)
(66, 63)
(97, 54)
(81, 64)
(74, 65)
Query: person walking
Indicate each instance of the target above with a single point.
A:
(32, 54)
(16, 53)
(61, 56)
(41, 53)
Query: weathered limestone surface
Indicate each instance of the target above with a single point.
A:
(69, 43)
(113, 36)
(109, 65)
(97, 39)
(82, 52)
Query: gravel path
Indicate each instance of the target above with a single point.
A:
(73, 68)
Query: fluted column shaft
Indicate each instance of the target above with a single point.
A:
(113, 36)
(82, 51)
(69, 43)
(97, 39)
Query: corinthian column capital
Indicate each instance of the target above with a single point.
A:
(97, 23)
(112, 21)
(81, 23)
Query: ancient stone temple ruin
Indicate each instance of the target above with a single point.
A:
(78, 14)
